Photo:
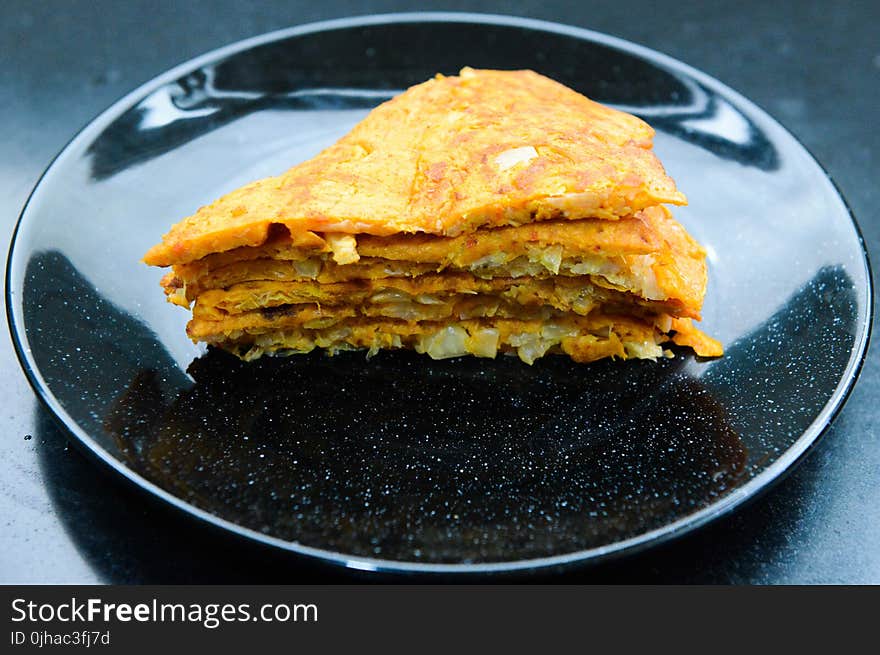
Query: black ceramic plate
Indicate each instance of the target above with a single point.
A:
(400, 462)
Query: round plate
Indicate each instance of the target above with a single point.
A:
(401, 462)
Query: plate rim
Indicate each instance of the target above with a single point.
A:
(761, 483)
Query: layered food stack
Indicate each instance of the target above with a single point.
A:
(495, 211)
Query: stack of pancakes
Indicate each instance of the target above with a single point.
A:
(496, 211)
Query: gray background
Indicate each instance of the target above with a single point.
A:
(815, 66)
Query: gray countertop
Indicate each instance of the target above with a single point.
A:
(814, 67)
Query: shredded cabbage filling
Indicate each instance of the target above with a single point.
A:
(445, 342)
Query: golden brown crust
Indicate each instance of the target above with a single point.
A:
(687, 334)
(486, 148)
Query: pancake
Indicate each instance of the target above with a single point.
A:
(485, 148)
(408, 294)
(584, 339)
(650, 254)
(635, 235)
(492, 212)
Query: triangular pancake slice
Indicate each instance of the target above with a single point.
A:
(446, 157)
(493, 212)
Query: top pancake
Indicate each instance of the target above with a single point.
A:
(451, 155)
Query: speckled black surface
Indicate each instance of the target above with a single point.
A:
(561, 444)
